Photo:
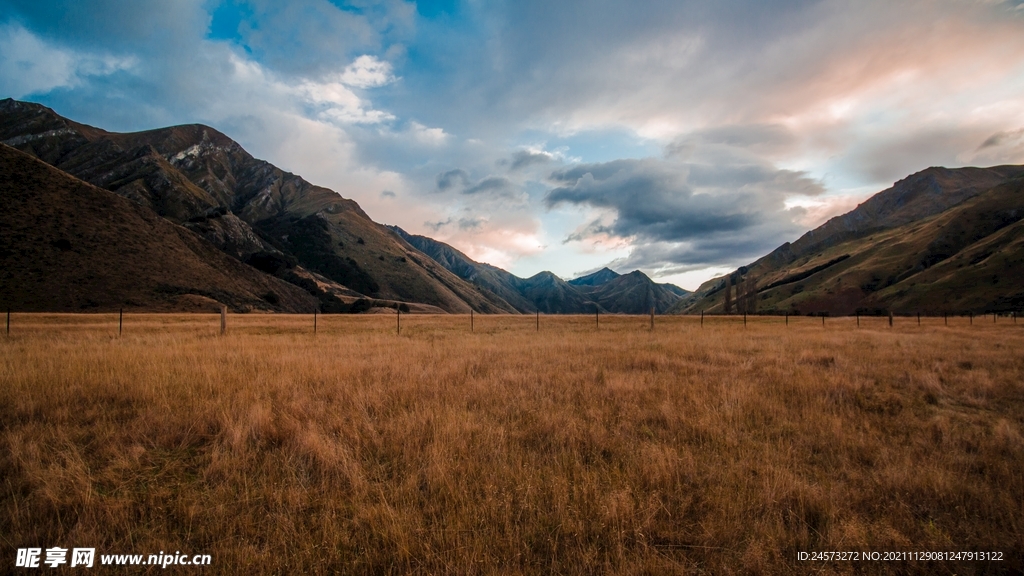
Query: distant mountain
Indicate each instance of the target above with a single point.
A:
(595, 279)
(197, 177)
(552, 295)
(633, 293)
(941, 240)
(69, 246)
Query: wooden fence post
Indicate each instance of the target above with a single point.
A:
(822, 319)
(972, 318)
(744, 319)
(918, 318)
(890, 319)
(471, 327)
(701, 318)
(223, 319)
(787, 318)
(652, 318)
(858, 319)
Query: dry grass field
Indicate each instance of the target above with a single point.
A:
(716, 450)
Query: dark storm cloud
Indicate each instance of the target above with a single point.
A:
(708, 212)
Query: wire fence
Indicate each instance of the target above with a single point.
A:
(121, 323)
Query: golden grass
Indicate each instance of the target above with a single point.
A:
(718, 450)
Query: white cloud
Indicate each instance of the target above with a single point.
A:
(31, 66)
(367, 72)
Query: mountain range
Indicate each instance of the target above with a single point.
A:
(251, 235)
(604, 290)
(183, 218)
(939, 241)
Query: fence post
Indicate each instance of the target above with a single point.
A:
(890, 319)
(858, 319)
(918, 318)
(972, 318)
(787, 318)
(223, 319)
(652, 318)
(471, 327)
(120, 322)
(744, 319)
(993, 317)
(822, 319)
(597, 315)
(701, 318)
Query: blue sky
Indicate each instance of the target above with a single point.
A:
(682, 138)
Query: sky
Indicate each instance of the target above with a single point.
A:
(678, 137)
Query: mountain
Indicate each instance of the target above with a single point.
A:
(69, 246)
(942, 240)
(552, 295)
(197, 177)
(633, 293)
(595, 279)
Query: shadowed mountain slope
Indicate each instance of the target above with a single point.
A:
(941, 240)
(596, 278)
(69, 246)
